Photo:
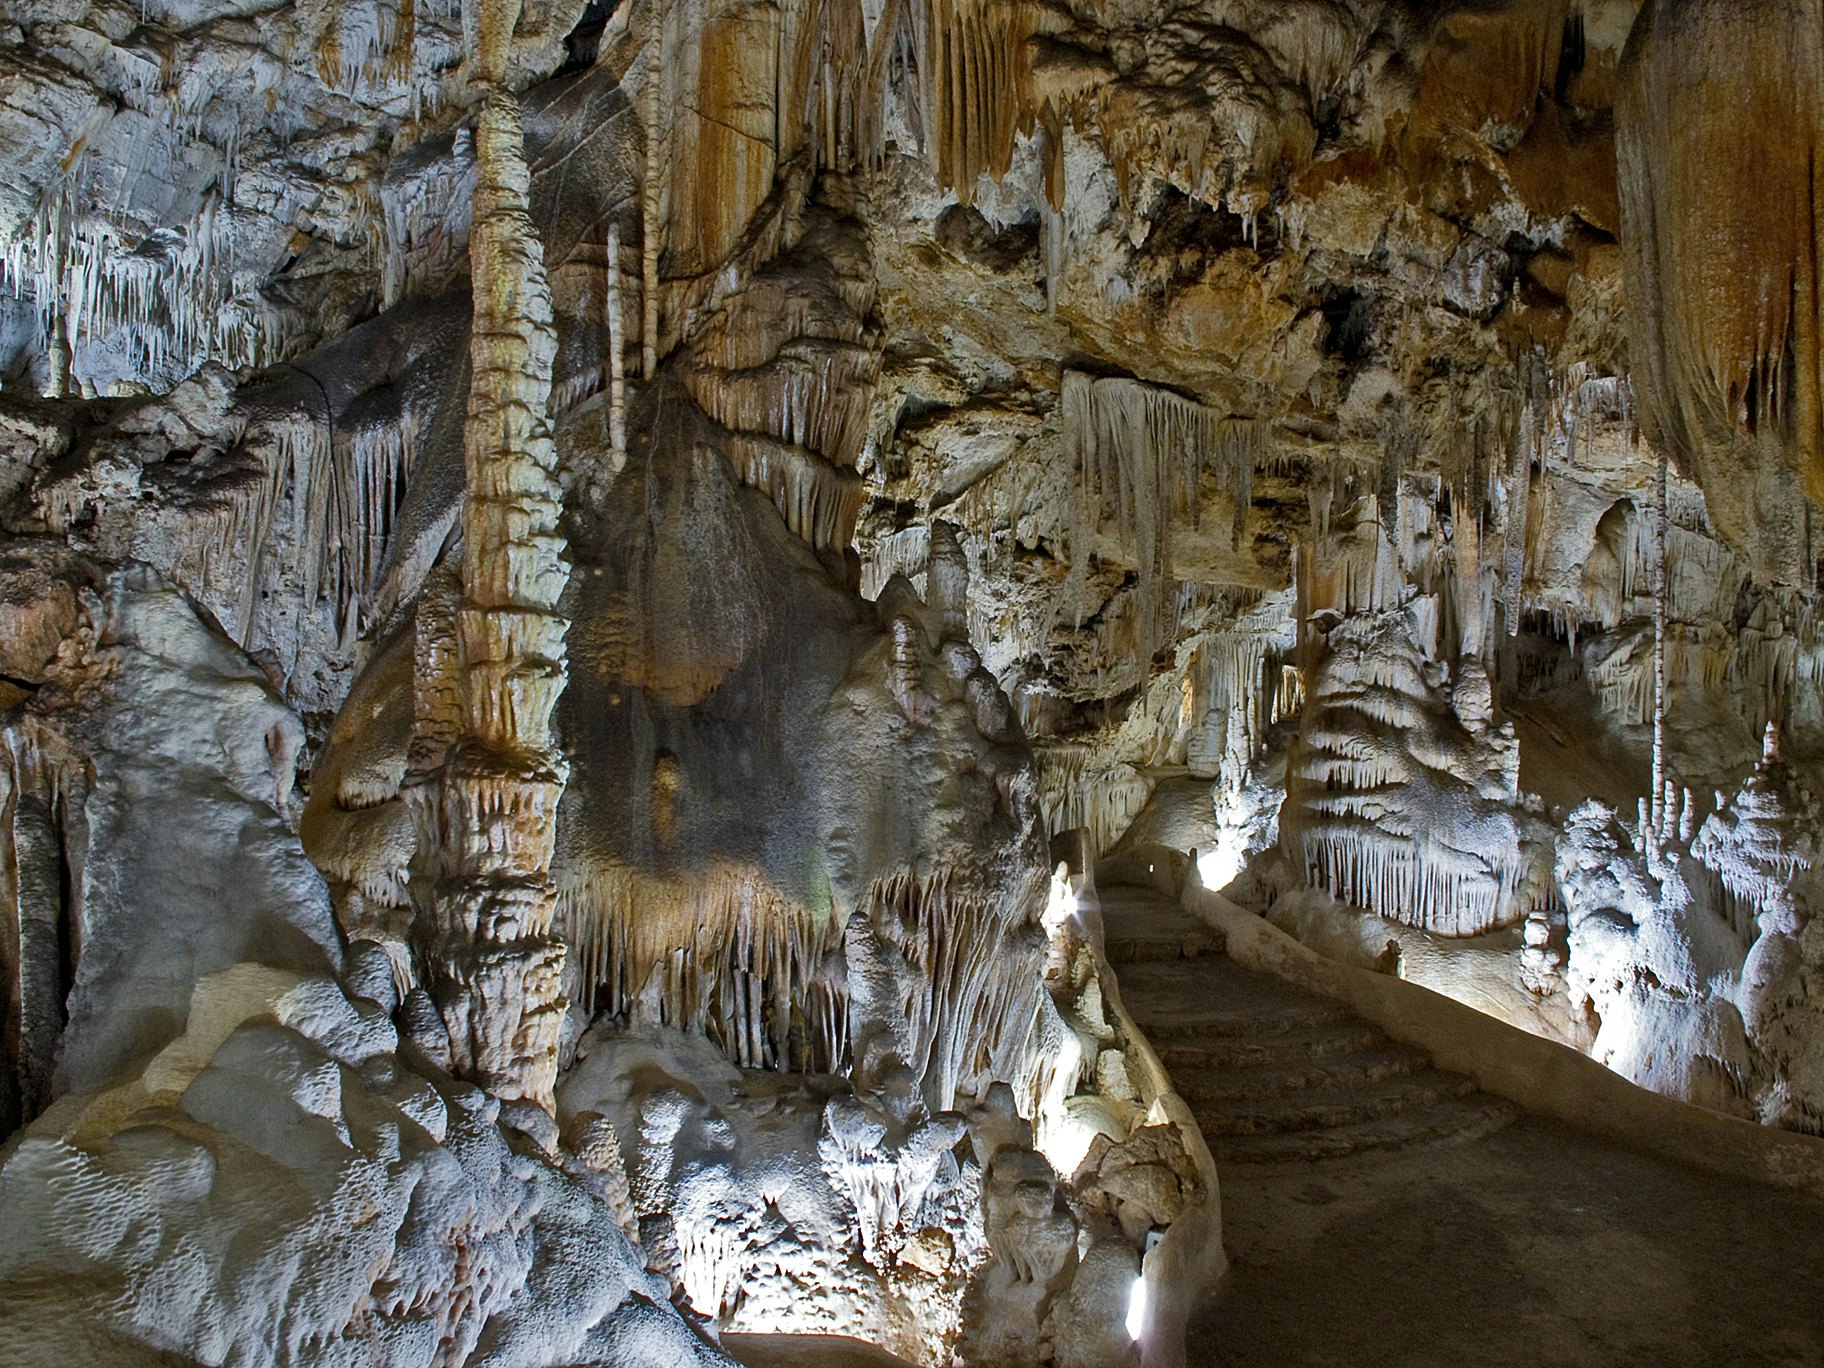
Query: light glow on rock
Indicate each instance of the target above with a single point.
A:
(1136, 1309)
(1218, 866)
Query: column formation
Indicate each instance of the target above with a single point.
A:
(496, 966)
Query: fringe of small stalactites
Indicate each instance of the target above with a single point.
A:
(1140, 453)
(904, 551)
(1077, 789)
(1196, 155)
(725, 954)
(779, 306)
(341, 501)
(353, 505)
(729, 956)
(1412, 881)
(794, 408)
(1759, 668)
(813, 394)
(179, 308)
(977, 967)
(1359, 572)
(777, 227)
(193, 301)
(285, 485)
(976, 95)
(819, 502)
(425, 223)
(1233, 695)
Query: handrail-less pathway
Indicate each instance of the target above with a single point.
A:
(1380, 1211)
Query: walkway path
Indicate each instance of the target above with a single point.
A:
(1381, 1213)
(1272, 1072)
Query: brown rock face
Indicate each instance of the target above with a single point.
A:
(1717, 117)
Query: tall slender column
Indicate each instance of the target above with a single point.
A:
(494, 968)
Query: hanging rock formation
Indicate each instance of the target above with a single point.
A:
(1726, 333)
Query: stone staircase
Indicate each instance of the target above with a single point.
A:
(1274, 1073)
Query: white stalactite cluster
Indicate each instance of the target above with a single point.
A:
(1141, 454)
(754, 974)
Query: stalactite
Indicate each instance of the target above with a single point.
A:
(1417, 882)
(1079, 789)
(1660, 592)
(1466, 547)
(812, 394)
(1399, 451)
(753, 970)
(617, 343)
(1518, 485)
(829, 89)
(977, 96)
(818, 501)
(176, 308)
(652, 207)
(1140, 454)
(970, 1002)
(1231, 704)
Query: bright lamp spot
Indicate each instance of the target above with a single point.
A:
(1136, 1309)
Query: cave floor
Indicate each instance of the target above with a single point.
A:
(1533, 1246)
(807, 1351)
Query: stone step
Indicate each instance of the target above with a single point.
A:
(1292, 1073)
(1456, 1121)
(1333, 1108)
(1273, 1073)
(1215, 1052)
(1159, 944)
(1166, 1001)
